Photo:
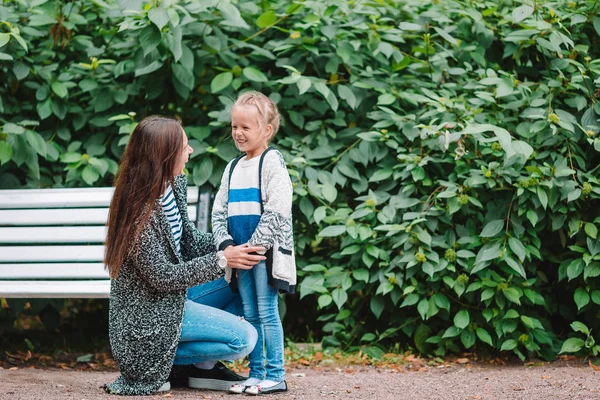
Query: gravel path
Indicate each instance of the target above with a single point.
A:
(550, 381)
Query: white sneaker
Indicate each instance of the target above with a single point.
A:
(165, 387)
(258, 389)
(241, 387)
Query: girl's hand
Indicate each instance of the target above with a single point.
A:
(240, 257)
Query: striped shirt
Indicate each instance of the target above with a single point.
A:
(169, 206)
(244, 204)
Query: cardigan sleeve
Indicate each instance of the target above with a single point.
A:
(165, 276)
(219, 213)
(277, 201)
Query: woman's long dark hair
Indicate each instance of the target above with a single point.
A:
(145, 168)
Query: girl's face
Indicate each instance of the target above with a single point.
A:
(183, 155)
(247, 133)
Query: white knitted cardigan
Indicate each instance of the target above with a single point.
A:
(274, 230)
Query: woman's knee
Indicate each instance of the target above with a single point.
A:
(251, 338)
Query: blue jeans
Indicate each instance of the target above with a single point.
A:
(262, 311)
(217, 294)
(210, 333)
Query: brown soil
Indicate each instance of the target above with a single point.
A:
(559, 380)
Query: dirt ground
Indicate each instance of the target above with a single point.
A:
(549, 381)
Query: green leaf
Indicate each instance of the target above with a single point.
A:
(254, 75)
(575, 268)
(512, 295)
(381, 175)
(467, 337)
(441, 301)
(591, 230)
(159, 17)
(4, 38)
(580, 327)
(451, 332)
(484, 336)
(221, 81)
(542, 196)
(521, 13)
(591, 270)
(148, 69)
(581, 297)
(184, 76)
(86, 358)
(99, 165)
(574, 195)
(410, 300)
(89, 175)
(489, 252)
(347, 94)
(377, 305)
(423, 309)
(303, 85)
(361, 275)
(333, 230)
(59, 89)
(5, 152)
(203, 171)
(446, 36)
(517, 247)
(508, 345)
(339, 297)
(37, 142)
(324, 300)
(516, 266)
(267, 18)
(5, 57)
(329, 193)
(149, 38)
(386, 99)
(572, 345)
(492, 228)
(462, 319)
(368, 337)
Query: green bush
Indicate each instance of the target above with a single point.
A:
(444, 154)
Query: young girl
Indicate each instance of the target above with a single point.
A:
(253, 207)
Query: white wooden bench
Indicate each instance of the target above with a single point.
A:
(52, 241)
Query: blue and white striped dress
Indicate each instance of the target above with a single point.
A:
(169, 206)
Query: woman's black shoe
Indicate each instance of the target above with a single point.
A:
(218, 378)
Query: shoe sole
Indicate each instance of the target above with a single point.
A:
(275, 389)
(210, 384)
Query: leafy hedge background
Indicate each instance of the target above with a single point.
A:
(444, 154)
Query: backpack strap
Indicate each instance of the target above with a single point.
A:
(260, 164)
(233, 164)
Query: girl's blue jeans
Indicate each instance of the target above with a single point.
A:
(261, 310)
(210, 331)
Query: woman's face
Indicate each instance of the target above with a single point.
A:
(183, 155)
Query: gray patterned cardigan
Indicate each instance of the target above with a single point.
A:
(274, 230)
(148, 296)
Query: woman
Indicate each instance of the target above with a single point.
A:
(154, 254)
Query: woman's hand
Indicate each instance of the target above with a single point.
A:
(240, 257)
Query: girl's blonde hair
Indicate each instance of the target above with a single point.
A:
(266, 110)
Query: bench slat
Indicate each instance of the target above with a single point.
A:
(53, 271)
(65, 198)
(53, 234)
(35, 254)
(64, 216)
(55, 289)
